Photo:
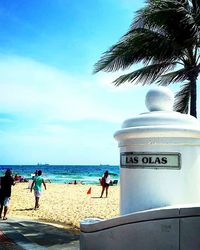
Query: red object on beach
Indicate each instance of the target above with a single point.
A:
(89, 190)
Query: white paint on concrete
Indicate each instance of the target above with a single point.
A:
(159, 132)
(175, 227)
(159, 99)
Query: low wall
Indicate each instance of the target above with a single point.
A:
(166, 228)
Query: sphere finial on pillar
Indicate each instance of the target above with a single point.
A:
(159, 99)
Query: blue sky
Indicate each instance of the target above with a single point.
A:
(52, 108)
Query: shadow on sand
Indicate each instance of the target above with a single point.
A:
(25, 209)
(46, 235)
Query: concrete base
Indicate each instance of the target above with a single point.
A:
(165, 228)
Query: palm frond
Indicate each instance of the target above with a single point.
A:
(153, 36)
(196, 5)
(142, 45)
(177, 76)
(181, 26)
(163, 34)
(196, 11)
(145, 75)
(182, 98)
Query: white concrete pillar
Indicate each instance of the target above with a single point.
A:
(159, 156)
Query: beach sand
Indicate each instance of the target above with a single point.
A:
(64, 204)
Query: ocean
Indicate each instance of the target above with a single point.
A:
(87, 174)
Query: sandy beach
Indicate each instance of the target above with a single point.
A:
(64, 204)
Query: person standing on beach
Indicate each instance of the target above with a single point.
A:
(37, 186)
(105, 182)
(35, 174)
(5, 192)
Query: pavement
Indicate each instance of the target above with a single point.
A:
(20, 234)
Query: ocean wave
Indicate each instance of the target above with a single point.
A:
(66, 173)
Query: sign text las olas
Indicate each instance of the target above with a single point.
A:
(150, 160)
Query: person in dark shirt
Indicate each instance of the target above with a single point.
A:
(5, 192)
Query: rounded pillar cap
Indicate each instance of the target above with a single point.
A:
(161, 121)
(159, 99)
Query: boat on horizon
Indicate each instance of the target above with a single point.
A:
(43, 165)
(104, 165)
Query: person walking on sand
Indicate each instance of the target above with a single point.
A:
(105, 182)
(5, 192)
(37, 186)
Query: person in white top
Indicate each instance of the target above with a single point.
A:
(105, 182)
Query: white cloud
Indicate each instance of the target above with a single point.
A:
(46, 114)
(44, 92)
(48, 107)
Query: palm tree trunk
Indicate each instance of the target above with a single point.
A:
(193, 97)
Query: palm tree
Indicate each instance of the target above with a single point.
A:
(165, 38)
